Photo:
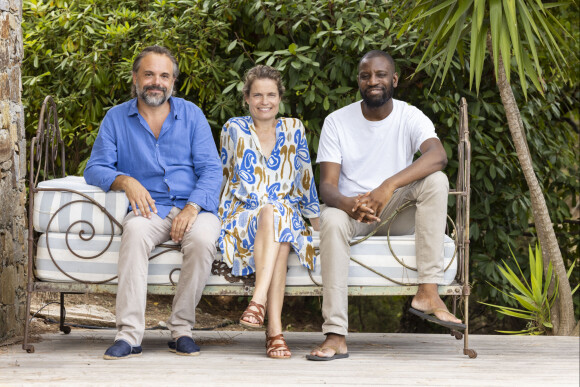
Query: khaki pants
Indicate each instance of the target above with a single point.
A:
(140, 236)
(427, 220)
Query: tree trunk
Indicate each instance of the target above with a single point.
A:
(563, 320)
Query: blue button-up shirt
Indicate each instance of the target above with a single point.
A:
(181, 165)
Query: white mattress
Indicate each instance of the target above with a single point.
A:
(373, 252)
(47, 203)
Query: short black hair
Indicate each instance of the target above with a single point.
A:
(376, 53)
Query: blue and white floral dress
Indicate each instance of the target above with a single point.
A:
(284, 180)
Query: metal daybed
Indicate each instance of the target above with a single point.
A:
(75, 229)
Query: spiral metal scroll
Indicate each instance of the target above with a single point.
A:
(221, 268)
(89, 236)
(82, 235)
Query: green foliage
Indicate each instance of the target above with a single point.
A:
(518, 30)
(375, 314)
(531, 296)
(81, 53)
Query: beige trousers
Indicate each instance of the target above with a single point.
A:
(140, 236)
(427, 220)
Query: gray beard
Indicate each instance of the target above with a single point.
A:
(151, 100)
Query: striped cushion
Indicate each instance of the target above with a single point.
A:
(96, 263)
(373, 252)
(47, 203)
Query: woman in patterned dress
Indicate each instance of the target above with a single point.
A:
(268, 187)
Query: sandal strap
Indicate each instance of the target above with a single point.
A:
(271, 347)
(258, 315)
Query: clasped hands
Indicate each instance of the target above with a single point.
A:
(368, 206)
(143, 204)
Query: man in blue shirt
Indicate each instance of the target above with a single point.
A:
(159, 150)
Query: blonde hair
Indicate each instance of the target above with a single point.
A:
(262, 72)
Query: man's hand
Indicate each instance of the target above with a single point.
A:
(359, 213)
(138, 195)
(369, 205)
(182, 223)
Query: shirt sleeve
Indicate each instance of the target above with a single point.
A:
(305, 180)
(207, 166)
(329, 144)
(421, 128)
(101, 169)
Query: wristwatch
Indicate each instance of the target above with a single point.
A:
(194, 205)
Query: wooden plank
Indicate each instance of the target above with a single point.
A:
(239, 289)
(233, 357)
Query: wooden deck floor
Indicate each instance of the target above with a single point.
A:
(238, 358)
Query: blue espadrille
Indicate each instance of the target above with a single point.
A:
(122, 350)
(184, 346)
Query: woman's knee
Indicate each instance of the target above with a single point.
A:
(266, 217)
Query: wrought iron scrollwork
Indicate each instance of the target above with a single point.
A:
(220, 268)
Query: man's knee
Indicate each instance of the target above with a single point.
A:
(334, 220)
(134, 229)
(199, 240)
(437, 181)
(202, 237)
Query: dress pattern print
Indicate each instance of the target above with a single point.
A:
(284, 180)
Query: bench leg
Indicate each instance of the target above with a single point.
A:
(27, 347)
(458, 335)
(466, 351)
(65, 329)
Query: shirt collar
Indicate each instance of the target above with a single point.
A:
(133, 111)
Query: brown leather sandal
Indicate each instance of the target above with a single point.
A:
(271, 347)
(258, 315)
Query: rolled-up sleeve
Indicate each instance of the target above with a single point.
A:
(101, 169)
(207, 166)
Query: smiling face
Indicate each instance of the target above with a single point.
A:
(154, 79)
(263, 100)
(377, 80)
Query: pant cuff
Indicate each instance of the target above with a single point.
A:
(430, 280)
(335, 329)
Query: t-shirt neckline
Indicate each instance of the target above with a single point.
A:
(376, 123)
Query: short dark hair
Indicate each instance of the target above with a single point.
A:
(262, 72)
(156, 50)
(160, 50)
(376, 53)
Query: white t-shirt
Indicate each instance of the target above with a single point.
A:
(372, 151)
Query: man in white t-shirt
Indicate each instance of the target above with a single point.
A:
(367, 171)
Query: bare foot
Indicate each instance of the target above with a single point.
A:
(427, 300)
(327, 348)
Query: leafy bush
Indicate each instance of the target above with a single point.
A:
(81, 53)
(534, 302)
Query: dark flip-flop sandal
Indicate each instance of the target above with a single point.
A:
(327, 358)
(429, 316)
